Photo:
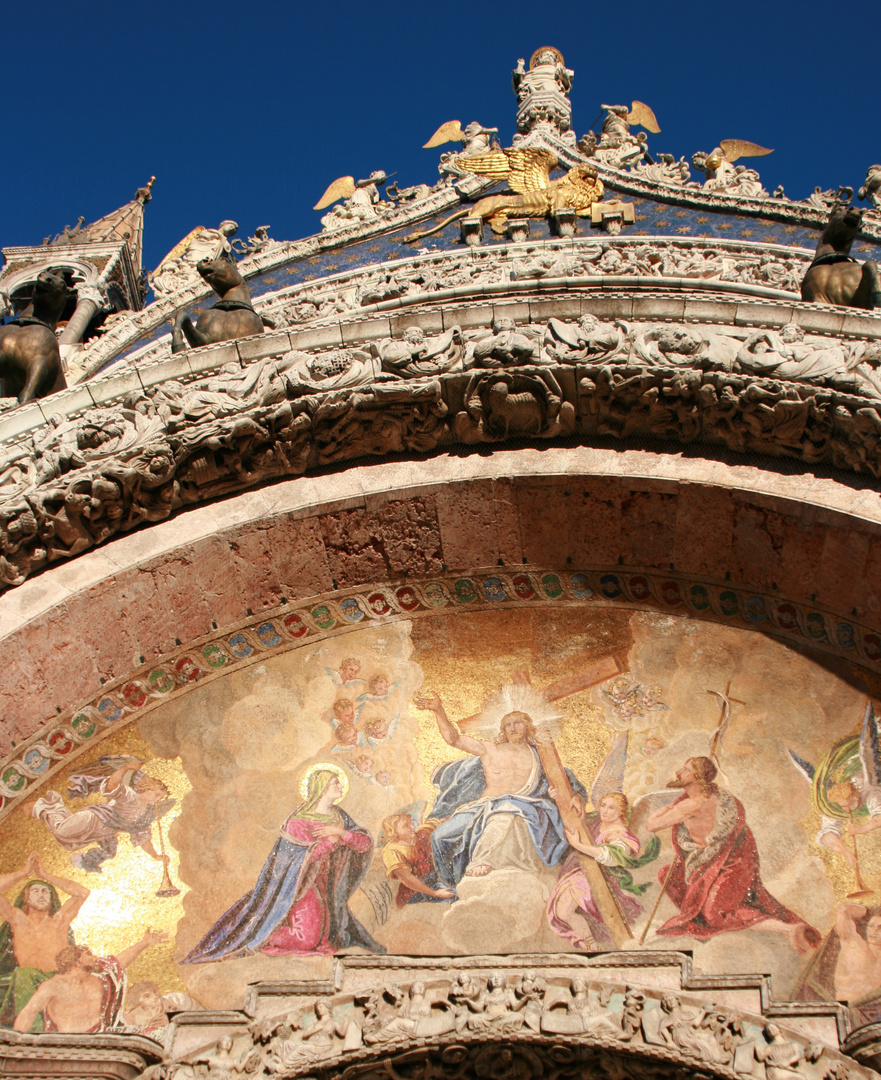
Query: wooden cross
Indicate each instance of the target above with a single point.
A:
(601, 670)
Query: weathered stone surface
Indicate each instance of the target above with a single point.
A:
(468, 524)
(410, 536)
(253, 559)
(354, 551)
(218, 580)
(299, 556)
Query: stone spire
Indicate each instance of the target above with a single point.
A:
(126, 223)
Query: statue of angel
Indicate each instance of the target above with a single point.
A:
(616, 146)
(721, 175)
(620, 843)
(361, 200)
(476, 139)
(528, 173)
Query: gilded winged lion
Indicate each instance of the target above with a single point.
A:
(528, 173)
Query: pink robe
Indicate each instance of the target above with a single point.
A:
(307, 924)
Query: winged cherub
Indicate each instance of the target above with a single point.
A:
(528, 173)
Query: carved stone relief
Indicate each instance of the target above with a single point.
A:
(79, 481)
(532, 1024)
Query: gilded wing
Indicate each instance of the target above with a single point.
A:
(451, 131)
(733, 149)
(525, 170)
(343, 188)
(180, 247)
(642, 116)
(530, 169)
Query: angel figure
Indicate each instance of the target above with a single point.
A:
(721, 175)
(133, 800)
(847, 787)
(615, 828)
(476, 139)
(361, 200)
(528, 173)
(616, 145)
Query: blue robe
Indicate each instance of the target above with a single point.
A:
(245, 928)
(464, 818)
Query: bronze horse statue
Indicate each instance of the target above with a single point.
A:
(30, 360)
(233, 316)
(834, 277)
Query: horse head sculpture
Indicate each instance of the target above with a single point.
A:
(835, 277)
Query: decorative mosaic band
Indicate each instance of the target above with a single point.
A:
(127, 699)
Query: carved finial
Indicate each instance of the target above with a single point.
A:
(142, 195)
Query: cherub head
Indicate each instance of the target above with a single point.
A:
(344, 711)
(379, 685)
(349, 669)
(377, 727)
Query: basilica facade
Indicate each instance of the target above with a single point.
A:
(449, 644)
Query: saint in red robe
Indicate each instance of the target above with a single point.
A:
(717, 887)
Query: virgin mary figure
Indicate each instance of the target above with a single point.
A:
(300, 903)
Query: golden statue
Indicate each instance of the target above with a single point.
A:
(528, 172)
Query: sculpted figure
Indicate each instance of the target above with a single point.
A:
(781, 1056)
(475, 139)
(180, 267)
(528, 172)
(361, 200)
(463, 996)
(505, 345)
(498, 1010)
(312, 1042)
(721, 173)
(583, 1014)
(531, 989)
(412, 1007)
(223, 1064)
(683, 1027)
(788, 356)
(588, 341)
(553, 264)
(30, 361)
(871, 189)
(543, 92)
(233, 316)
(863, 365)
(678, 346)
(501, 405)
(835, 277)
(415, 354)
(308, 374)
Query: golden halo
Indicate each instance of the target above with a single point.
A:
(545, 48)
(330, 766)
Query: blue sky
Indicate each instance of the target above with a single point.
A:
(249, 110)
